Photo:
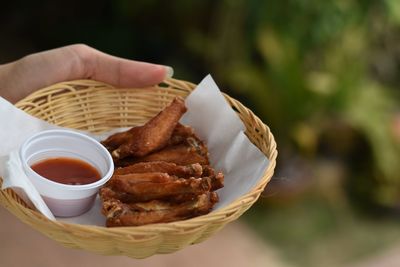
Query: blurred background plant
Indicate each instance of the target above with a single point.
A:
(323, 75)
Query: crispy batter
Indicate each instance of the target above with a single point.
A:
(217, 181)
(108, 193)
(150, 137)
(145, 177)
(179, 154)
(145, 191)
(120, 214)
(186, 149)
(191, 170)
(208, 170)
(117, 139)
(180, 134)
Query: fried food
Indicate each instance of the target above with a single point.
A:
(180, 134)
(146, 177)
(145, 191)
(191, 170)
(121, 214)
(163, 173)
(184, 148)
(217, 181)
(108, 193)
(180, 155)
(142, 140)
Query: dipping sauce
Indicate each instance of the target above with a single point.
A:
(68, 171)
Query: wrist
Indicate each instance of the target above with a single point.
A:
(7, 90)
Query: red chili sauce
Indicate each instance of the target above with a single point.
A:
(67, 171)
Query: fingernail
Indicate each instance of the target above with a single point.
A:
(169, 72)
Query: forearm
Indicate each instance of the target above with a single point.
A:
(6, 89)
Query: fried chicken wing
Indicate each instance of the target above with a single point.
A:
(180, 155)
(108, 193)
(145, 191)
(191, 170)
(180, 134)
(145, 177)
(142, 140)
(117, 139)
(120, 214)
(217, 181)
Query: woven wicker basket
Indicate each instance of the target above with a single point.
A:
(97, 107)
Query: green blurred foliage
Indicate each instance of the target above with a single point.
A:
(305, 65)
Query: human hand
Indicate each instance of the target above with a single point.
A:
(21, 77)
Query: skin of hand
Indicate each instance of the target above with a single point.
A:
(78, 61)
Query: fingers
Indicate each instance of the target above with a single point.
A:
(118, 71)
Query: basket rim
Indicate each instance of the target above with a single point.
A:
(157, 227)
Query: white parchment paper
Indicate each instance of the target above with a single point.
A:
(208, 113)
